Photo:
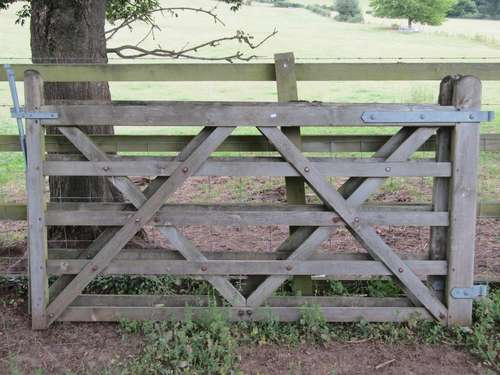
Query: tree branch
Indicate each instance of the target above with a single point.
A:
(132, 52)
(149, 19)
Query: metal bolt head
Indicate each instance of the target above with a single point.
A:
(336, 220)
(185, 169)
(289, 268)
(422, 117)
(372, 117)
(94, 268)
(241, 313)
(471, 116)
(138, 220)
(106, 168)
(400, 270)
(388, 169)
(356, 219)
(51, 315)
(442, 316)
(203, 268)
(249, 312)
(307, 169)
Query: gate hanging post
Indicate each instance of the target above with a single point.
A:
(286, 83)
(35, 184)
(463, 201)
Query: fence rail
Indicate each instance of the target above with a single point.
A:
(235, 143)
(257, 72)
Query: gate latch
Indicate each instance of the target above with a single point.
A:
(476, 291)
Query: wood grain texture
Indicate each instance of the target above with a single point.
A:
(214, 114)
(284, 314)
(235, 143)
(463, 198)
(256, 72)
(35, 184)
(369, 238)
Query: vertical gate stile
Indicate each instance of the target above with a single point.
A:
(440, 190)
(463, 201)
(35, 184)
(286, 84)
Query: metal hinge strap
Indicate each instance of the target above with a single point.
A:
(419, 117)
(21, 113)
(476, 291)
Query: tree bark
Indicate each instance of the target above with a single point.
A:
(72, 32)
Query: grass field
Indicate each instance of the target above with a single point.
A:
(308, 35)
(307, 346)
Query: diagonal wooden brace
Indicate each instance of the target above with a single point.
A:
(303, 252)
(136, 222)
(268, 286)
(399, 147)
(130, 191)
(373, 242)
(357, 193)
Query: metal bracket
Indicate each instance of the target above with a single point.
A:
(20, 114)
(476, 291)
(15, 100)
(385, 117)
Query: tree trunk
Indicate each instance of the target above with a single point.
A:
(410, 22)
(71, 32)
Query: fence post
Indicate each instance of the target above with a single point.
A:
(286, 82)
(35, 186)
(463, 201)
(439, 235)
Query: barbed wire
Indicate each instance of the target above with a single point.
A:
(306, 58)
(483, 104)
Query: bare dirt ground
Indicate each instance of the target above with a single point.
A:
(87, 348)
(79, 348)
(358, 358)
(90, 348)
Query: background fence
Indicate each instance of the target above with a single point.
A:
(259, 72)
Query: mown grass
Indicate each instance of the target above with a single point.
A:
(181, 348)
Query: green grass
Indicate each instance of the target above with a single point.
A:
(300, 31)
(181, 347)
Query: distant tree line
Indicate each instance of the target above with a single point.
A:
(322, 10)
(476, 9)
(347, 10)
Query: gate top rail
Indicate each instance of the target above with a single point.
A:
(177, 72)
(257, 114)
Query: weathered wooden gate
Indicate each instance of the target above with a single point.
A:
(452, 216)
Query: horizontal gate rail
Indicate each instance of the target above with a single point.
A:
(242, 167)
(222, 114)
(17, 211)
(256, 72)
(117, 214)
(284, 314)
(340, 269)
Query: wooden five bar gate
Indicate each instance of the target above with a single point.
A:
(455, 123)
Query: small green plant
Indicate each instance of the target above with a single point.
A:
(383, 288)
(314, 327)
(204, 346)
